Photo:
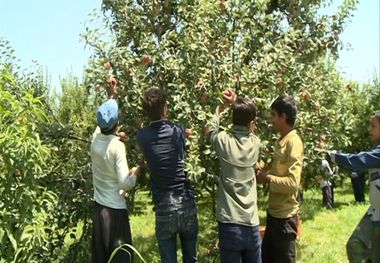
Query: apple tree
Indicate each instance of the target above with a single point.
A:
(196, 49)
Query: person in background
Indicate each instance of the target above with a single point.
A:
(238, 151)
(358, 186)
(284, 179)
(163, 146)
(111, 175)
(364, 243)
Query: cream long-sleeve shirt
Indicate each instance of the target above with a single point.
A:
(110, 170)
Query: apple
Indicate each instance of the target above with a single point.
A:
(122, 136)
(306, 95)
(146, 59)
(107, 65)
(201, 85)
(188, 133)
(203, 98)
(223, 6)
(112, 81)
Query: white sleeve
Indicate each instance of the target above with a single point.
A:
(126, 181)
(96, 133)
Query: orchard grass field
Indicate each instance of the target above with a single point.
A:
(324, 232)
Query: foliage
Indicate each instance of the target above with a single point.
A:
(44, 166)
(195, 49)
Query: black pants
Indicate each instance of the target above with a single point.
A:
(358, 185)
(110, 230)
(279, 242)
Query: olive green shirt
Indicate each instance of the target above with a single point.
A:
(286, 176)
(237, 151)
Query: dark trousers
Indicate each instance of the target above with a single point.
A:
(358, 185)
(110, 230)
(279, 242)
(239, 243)
(171, 223)
(328, 196)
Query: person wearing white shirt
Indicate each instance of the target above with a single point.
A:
(111, 176)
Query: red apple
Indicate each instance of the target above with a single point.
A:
(146, 59)
(112, 81)
(223, 6)
(188, 133)
(122, 136)
(306, 95)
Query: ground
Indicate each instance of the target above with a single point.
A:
(324, 232)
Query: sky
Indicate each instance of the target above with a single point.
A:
(48, 32)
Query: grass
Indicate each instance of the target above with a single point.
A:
(323, 239)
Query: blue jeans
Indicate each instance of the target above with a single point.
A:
(239, 243)
(176, 221)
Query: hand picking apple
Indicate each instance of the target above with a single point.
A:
(112, 87)
(229, 96)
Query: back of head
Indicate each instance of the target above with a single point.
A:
(107, 116)
(243, 111)
(376, 114)
(153, 103)
(286, 105)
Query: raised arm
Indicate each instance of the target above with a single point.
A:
(229, 98)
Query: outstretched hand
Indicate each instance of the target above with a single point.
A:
(112, 88)
(229, 97)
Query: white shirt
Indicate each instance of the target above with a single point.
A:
(110, 170)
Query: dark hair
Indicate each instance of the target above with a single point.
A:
(286, 105)
(153, 102)
(243, 111)
(376, 114)
(109, 131)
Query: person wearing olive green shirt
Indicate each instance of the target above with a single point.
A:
(237, 150)
(279, 242)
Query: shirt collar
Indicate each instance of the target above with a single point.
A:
(286, 137)
(158, 121)
(240, 129)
